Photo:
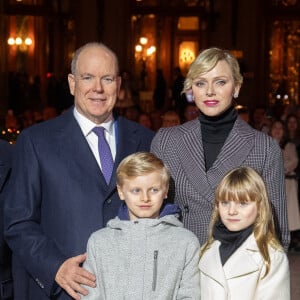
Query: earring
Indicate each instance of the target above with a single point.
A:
(235, 95)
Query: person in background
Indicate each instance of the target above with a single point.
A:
(160, 91)
(258, 118)
(27, 118)
(292, 130)
(145, 120)
(200, 152)
(6, 283)
(37, 116)
(178, 97)
(49, 112)
(286, 110)
(191, 112)
(144, 253)
(261, 119)
(243, 113)
(126, 94)
(290, 160)
(243, 259)
(11, 121)
(170, 118)
(61, 189)
(156, 120)
(132, 113)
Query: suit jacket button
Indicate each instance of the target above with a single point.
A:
(39, 283)
(186, 209)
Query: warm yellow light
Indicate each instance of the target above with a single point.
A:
(187, 55)
(11, 41)
(18, 41)
(187, 50)
(22, 45)
(151, 50)
(138, 48)
(143, 40)
(28, 41)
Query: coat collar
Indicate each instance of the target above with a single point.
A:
(240, 263)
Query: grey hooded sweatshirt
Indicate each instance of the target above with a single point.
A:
(144, 259)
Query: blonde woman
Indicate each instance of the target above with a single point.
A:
(200, 152)
(243, 259)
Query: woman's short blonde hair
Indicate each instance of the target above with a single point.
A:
(207, 60)
(139, 164)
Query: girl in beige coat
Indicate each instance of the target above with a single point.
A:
(243, 258)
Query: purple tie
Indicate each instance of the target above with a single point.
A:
(106, 159)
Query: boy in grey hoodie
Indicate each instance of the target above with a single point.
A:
(144, 253)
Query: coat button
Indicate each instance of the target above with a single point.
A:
(186, 209)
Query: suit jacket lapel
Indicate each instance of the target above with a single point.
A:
(71, 140)
(128, 141)
(234, 151)
(190, 150)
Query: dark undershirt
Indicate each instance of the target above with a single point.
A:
(215, 130)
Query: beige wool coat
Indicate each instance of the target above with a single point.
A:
(241, 276)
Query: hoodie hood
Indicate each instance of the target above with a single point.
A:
(169, 214)
(167, 209)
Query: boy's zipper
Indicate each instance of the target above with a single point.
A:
(154, 270)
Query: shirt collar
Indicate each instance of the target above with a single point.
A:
(87, 125)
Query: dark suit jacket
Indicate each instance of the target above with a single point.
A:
(181, 148)
(5, 253)
(58, 198)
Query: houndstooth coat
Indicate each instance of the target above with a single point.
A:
(181, 149)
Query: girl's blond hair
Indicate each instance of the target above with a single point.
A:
(245, 184)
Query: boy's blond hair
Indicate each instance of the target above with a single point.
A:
(245, 184)
(141, 163)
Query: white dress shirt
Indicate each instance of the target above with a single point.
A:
(87, 126)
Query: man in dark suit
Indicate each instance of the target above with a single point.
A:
(59, 195)
(5, 253)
